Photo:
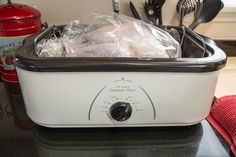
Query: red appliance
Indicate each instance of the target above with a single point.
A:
(17, 21)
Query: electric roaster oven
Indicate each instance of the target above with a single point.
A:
(118, 91)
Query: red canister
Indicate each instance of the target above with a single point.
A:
(17, 21)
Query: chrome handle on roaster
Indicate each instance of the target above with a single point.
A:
(44, 34)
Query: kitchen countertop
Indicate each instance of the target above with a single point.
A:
(199, 141)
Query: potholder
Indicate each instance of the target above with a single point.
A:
(223, 118)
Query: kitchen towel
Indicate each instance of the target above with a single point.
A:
(223, 118)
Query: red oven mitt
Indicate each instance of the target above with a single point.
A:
(223, 118)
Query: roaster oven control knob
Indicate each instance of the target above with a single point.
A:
(120, 111)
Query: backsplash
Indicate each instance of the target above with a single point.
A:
(63, 11)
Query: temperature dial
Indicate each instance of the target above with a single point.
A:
(120, 111)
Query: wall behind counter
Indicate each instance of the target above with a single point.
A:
(63, 11)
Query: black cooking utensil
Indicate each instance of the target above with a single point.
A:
(210, 9)
(153, 10)
(134, 11)
(160, 3)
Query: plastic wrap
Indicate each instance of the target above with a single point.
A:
(111, 36)
(51, 48)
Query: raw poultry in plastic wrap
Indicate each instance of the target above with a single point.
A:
(110, 36)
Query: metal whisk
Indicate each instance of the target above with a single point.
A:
(188, 9)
